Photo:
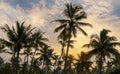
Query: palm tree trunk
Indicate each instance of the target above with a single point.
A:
(65, 65)
(62, 52)
(32, 60)
(100, 63)
(17, 66)
(67, 51)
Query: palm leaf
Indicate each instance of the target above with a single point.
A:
(61, 21)
(60, 28)
(84, 24)
(82, 30)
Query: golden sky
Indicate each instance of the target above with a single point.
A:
(39, 13)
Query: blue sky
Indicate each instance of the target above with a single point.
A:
(101, 14)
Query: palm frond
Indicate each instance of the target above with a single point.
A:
(61, 21)
(60, 28)
(87, 45)
(113, 44)
(112, 51)
(92, 52)
(81, 15)
(82, 30)
(84, 24)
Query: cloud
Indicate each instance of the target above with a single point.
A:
(39, 13)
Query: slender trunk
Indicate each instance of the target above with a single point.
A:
(13, 63)
(100, 63)
(17, 66)
(82, 69)
(62, 52)
(66, 60)
(32, 60)
(67, 51)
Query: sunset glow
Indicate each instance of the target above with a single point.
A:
(101, 14)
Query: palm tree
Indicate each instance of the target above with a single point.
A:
(71, 23)
(7, 69)
(63, 44)
(71, 64)
(28, 54)
(37, 41)
(16, 39)
(83, 64)
(24, 68)
(46, 57)
(103, 45)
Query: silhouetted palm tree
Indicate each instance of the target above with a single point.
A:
(83, 64)
(46, 56)
(37, 41)
(63, 44)
(16, 39)
(103, 45)
(28, 54)
(70, 64)
(71, 23)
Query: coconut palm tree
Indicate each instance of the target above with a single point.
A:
(37, 41)
(71, 64)
(46, 57)
(102, 46)
(63, 45)
(16, 39)
(83, 64)
(70, 24)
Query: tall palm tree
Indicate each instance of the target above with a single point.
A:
(16, 39)
(71, 24)
(103, 45)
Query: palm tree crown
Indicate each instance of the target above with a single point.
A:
(103, 45)
(69, 26)
(17, 39)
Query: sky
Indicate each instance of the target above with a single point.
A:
(39, 13)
